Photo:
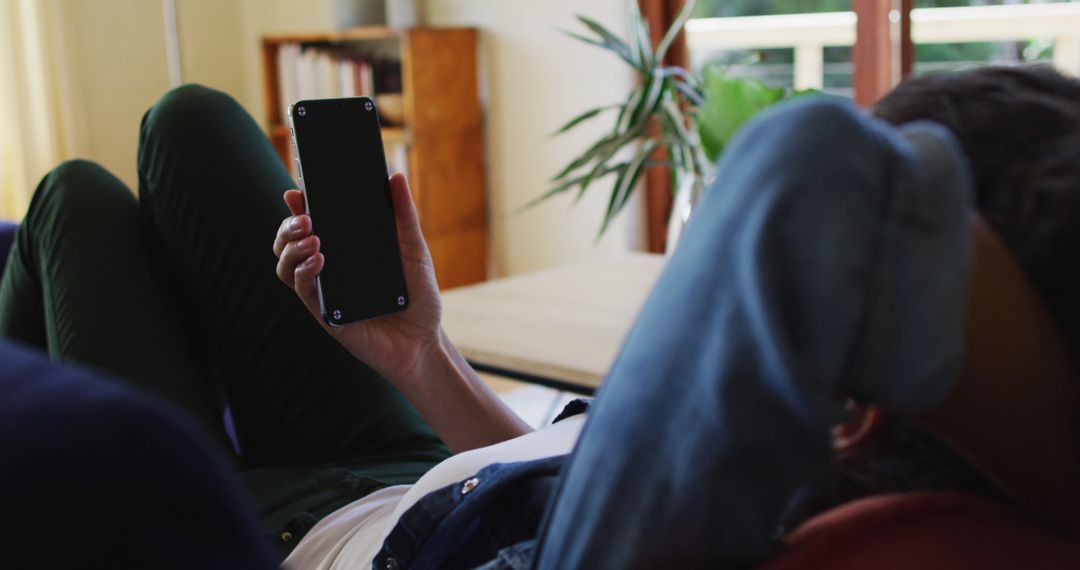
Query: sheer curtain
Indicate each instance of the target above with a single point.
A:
(35, 125)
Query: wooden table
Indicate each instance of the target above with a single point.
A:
(560, 327)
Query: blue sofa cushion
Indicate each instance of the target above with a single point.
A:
(7, 238)
(113, 475)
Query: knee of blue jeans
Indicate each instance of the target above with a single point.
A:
(803, 162)
(801, 133)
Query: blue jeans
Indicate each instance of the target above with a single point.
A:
(830, 258)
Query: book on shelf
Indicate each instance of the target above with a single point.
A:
(319, 72)
(315, 72)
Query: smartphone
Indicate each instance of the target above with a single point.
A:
(342, 171)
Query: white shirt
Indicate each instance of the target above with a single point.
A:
(351, 536)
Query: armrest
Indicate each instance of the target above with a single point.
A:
(7, 238)
(924, 530)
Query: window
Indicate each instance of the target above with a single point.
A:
(807, 43)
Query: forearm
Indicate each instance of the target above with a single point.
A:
(458, 405)
(409, 349)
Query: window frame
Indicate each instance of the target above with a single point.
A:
(883, 56)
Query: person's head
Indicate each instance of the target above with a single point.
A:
(1020, 128)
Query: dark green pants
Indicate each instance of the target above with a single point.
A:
(176, 293)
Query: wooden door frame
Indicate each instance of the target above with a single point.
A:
(883, 54)
(659, 14)
(878, 67)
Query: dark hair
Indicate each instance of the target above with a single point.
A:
(1020, 128)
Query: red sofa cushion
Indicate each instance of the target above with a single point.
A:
(925, 530)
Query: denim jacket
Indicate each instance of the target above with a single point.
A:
(488, 520)
(467, 524)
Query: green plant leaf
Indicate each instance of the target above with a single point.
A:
(729, 103)
(591, 113)
(608, 40)
(625, 183)
(686, 76)
(602, 150)
(641, 39)
(654, 93)
(606, 171)
(677, 126)
(636, 167)
(568, 184)
(586, 157)
(694, 96)
(623, 121)
(674, 143)
(608, 152)
(622, 52)
(599, 170)
(602, 32)
(674, 30)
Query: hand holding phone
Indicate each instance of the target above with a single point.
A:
(408, 349)
(343, 174)
(394, 345)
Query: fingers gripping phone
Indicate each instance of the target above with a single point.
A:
(342, 169)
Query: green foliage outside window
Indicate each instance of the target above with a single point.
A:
(728, 8)
(928, 57)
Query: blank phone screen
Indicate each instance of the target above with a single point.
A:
(346, 183)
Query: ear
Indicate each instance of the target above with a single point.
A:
(864, 425)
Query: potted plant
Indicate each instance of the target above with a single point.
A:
(728, 102)
(691, 119)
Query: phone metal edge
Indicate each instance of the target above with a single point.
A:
(307, 207)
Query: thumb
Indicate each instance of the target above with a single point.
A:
(408, 222)
(295, 201)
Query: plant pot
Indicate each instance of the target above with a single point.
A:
(686, 197)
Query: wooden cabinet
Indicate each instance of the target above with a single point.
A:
(442, 132)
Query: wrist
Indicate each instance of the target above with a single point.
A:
(432, 360)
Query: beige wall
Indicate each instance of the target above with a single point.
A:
(115, 57)
(211, 45)
(535, 78)
(262, 17)
(116, 62)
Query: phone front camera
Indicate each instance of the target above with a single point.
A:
(369, 106)
(301, 111)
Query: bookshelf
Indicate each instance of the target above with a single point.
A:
(441, 131)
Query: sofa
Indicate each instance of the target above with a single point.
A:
(7, 238)
(917, 530)
(924, 530)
